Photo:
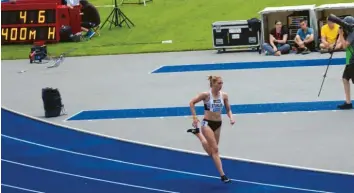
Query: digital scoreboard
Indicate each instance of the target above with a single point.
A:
(23, 34)
(29, 22)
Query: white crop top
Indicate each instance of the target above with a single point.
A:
(214, 105)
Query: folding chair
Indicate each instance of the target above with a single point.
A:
(97, 30)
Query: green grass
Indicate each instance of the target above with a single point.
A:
(186, 22)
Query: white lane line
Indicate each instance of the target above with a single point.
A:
(172, 148)
(19, 188)
(85, 177)
(159, 168)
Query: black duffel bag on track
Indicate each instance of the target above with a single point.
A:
(53, 106)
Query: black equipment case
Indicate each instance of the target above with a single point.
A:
(239, 34)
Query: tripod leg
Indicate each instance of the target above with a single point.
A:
(117, 17)
(324, 77)
(125, 18)
(109, 16)
(121, 18)
(329, 63)
(113, 18)
(129, 20)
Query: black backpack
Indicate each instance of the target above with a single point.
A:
(66, 35)
(255, 24)
(53, 106)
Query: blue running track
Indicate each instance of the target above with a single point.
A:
(40, 157)
(248, 65)
(185, 111)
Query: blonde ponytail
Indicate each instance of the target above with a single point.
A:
(212, 79)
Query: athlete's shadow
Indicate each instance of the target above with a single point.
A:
(235, 187)
(219, 187)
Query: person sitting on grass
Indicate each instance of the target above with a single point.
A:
(278, 38)
(304, 40)
(90, 18)
(329, 33)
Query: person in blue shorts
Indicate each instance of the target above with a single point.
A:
(304, 40)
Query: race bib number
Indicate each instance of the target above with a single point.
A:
(204, 123)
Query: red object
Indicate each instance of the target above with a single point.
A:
(63, 15)
(36, 20)
(75, 19)
(39, 43)
(37, 1)
(69, 17)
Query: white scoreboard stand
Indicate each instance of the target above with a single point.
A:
(289, 16)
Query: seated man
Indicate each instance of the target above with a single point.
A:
(278, 38)
(90, 18)
(329, 34)
(304, 40)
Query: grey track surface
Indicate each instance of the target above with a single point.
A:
(310, 139)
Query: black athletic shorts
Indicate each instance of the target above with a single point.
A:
(214, 125)
(311, 46)
(349, 72)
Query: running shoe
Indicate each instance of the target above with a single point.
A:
(194, 131)
(225, 179)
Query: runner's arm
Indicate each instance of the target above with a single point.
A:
(194, 101)
(227, 106)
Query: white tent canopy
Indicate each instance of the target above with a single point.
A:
(338, 9)
(286, 9)
(335, 6)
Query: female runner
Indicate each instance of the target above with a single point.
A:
(214, 100)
